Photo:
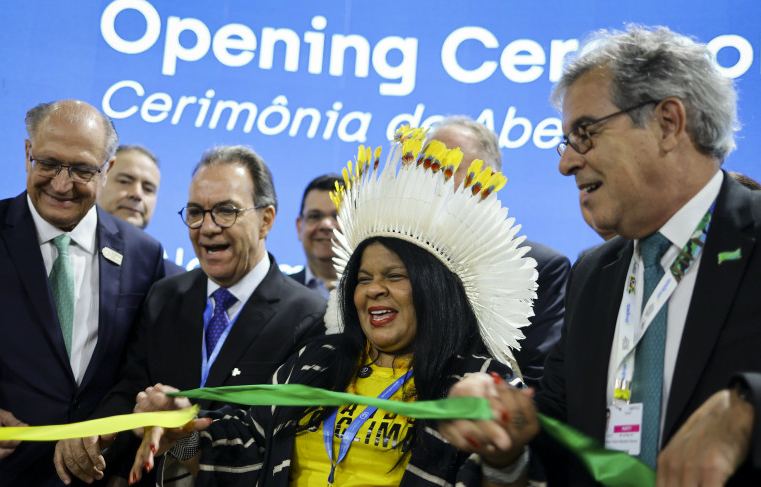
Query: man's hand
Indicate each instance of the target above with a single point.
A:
(501, 441)
(7, 419)
(711, 445)
(81, 457)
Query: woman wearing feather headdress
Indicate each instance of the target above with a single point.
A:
(414, 313)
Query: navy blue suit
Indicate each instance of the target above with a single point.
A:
(36, 381)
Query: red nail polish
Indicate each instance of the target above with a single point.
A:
(472, 442)
(153, 449)
(496, 377)
(505, 416)
(147, 467)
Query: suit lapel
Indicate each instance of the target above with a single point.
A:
(110, 286)
(188, 334)
(253, 318)
(24, 249)
(715, 288)
(600, 336)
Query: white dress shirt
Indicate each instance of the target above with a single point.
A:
(678, 230)
(242, 289)
(84, 262)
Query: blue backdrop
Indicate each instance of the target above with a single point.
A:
(305, 82)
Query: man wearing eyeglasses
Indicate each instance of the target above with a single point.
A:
(231, 322)
(73, 279)
(662, 325)
(315, 225)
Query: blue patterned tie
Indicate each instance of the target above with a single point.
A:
(648, 360)
(62, 287)
(219, 321)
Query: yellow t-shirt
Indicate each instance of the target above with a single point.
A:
(374, 453)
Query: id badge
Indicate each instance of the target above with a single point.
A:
(623, 428)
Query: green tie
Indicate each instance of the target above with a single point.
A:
(62, 287)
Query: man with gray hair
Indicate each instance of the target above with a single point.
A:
(73, 279)
(648, 122)
(231, 322)
(662, 323)
(476, 141)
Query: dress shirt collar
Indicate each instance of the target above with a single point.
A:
(680, 226)
(84, 234)
(244, 288)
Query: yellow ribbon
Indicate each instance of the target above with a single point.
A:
(102, 426)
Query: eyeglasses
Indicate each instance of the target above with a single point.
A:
(580, 138)
(223, 216)
(315, 217)
(78, 174)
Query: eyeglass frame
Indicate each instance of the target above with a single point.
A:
(210, 211)
(68, 167)
(567, 142)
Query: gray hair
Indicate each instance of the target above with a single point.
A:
(75, 112)
(487, 140)
(653, 64)
(264, 189)
(139, 148)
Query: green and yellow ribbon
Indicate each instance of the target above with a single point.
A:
(612, 468)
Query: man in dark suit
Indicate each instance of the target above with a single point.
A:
(649, 122)
(662, 322)
(132, 188)
(63, 338)
(315, 224)
(476, 141)
(231, 322)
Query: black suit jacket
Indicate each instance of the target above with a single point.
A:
(549, 308)
(36, 381)
(276, 321)
(544, 330)
(722, 332)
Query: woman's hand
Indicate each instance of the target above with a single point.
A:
(157, 440)
(501, 441)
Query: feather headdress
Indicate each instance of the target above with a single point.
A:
(467, 229)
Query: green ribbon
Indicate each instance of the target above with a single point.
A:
(301, 395)
(609, 467)
(612, 468)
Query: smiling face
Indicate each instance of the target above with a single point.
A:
(315, 227)
(227, 254)
(625, 183)
(131, 188)
(60, 201)
(383, 298)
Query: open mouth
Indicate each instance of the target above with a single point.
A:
(589, 188)
(215, 249)
(381, 317)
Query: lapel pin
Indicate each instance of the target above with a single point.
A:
(730, 255)
(112, 255)
(236, 372)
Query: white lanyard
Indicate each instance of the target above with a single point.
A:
(632, 324)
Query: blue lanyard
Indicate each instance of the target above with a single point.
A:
(330, 425)
(206, 363)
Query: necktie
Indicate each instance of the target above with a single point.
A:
(62, 287)
(219, 321)
(648, 359)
